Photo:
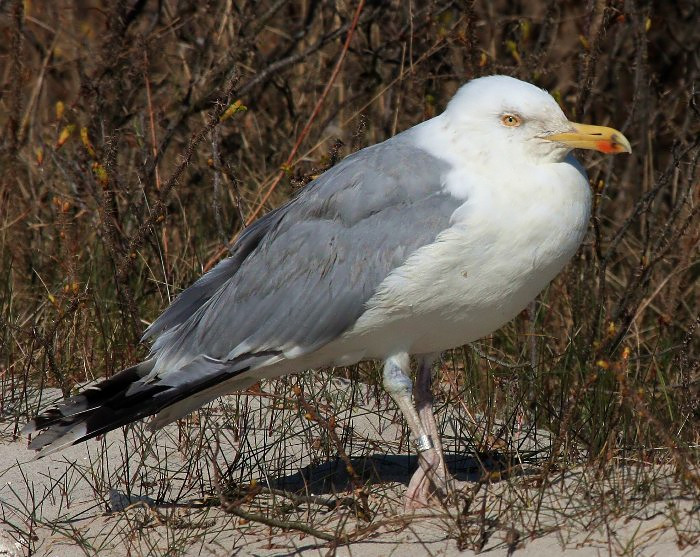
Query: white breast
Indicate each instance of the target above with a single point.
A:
(506, 244)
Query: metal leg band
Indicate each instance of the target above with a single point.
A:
(423, 443)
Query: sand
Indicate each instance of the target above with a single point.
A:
(102, 497)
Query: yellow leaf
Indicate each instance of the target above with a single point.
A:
(512, 47)
(86, 142)
(64, 135)
(236, 107)
(584, 41)
(603, 364)
(60, 109)
(483, 59)
(100, 173)
(39, 151)
(647, 24)
(525, 29)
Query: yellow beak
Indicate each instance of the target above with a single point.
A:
(598, 138)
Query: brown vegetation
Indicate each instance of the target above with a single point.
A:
(140, 137)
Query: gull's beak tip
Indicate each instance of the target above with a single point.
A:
(598, 138)
(620, 143)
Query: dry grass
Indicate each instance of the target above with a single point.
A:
(121, 182)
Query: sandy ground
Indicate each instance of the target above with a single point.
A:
(75, 503)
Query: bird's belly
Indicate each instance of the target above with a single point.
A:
(473, 309)
(457, 290)
(466, 319)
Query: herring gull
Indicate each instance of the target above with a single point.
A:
(427, 241)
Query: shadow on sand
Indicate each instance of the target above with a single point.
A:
(332, 476)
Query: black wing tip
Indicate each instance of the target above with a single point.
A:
(97, 409)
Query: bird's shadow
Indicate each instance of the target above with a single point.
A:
(332, 476)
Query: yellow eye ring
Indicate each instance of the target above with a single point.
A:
(511, 120)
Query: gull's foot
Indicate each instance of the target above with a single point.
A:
(431, 485)
(421, 492)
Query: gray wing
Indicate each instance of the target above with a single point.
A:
(194, 297)
(302, 275)
(296, 279)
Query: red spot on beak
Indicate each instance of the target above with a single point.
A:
(607, 146)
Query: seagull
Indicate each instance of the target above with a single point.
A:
(429, 240)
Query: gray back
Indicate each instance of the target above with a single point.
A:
(301, 276)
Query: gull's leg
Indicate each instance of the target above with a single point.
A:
(423, 396)
(431, 478)
(398, 385)
(424, 486)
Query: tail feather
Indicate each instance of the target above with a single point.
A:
(131, 395)
(102, 407)
(90, 398)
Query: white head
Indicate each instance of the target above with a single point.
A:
(522, 120)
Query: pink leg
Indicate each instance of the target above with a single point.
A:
(432, 480)
(398, 385)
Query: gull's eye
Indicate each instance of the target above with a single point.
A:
(511, 120)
